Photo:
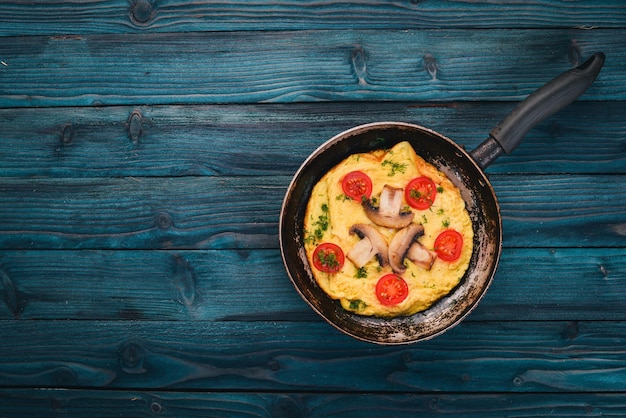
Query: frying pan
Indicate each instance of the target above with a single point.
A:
(464, 169)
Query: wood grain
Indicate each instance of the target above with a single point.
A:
(214, 140)
(78, 403)
(187, 212)
(120, 16)
(146, 146)
(234, 212)
(252, 285)
(300, 66)
(495, 357)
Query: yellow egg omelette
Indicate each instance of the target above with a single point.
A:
(386, 233)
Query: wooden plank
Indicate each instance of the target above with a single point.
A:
(301, 66)
(148, 285)
(80, 403)
(486, 357)
(566, 284)
(559, 211)
(586, 137)
(235, 212)
(121, 16)
(235, 285)
(185, 212)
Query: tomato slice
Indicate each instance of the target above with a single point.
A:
(328, 257)
(357, 185)
(448, 245)
(391, 289)
(420, 193)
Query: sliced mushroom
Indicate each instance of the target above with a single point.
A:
(388, 213)
(372, 244)
(400, 244)
(421, 255)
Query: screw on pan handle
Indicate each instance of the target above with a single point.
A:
(539, 105)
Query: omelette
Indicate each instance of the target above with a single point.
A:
(386, 233)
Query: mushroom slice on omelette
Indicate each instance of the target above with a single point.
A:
(386, 233)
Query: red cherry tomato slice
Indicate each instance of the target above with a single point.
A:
(448, 245)
(357, 185)
(420, 193)
(391, 289)
(328, 257)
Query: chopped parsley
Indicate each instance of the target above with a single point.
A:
(361, 273)
(328, 259)
(445, 223)
(357, 305)
(321, 226)
(394, 167)
(439, 189)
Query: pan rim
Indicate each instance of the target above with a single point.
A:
(466, 157)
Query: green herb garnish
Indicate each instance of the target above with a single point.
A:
(328, 259)
(394, 167)
(357, 305)
(321, 226)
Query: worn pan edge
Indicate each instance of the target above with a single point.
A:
(387, 339)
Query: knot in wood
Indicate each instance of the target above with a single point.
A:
(571, 330)
(135, 126)
(604, 271)
(11, 294)
(574, 54)
(185, 279)
(67, 132)
(359, 64)
(430, 65)
(163, 220)
(65, 377)
(156, 407)
(141, 12)
(274, 365)
(131, 357)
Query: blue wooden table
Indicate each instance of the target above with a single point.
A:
(145, 149)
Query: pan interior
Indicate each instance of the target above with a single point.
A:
(480, 201)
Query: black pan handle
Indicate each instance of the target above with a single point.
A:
(539, 105)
